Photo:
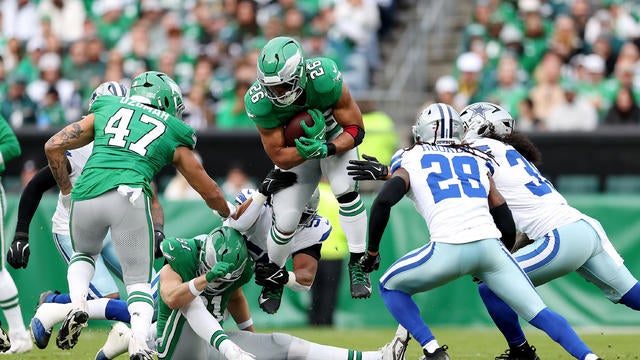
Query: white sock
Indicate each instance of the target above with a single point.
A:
(140, 306)
(279, 246)
(353, 220)
(591, 357)
(79, 275)
(51, 314)
(431, 346)
(96, 308)
(10, 303)
(303, 349)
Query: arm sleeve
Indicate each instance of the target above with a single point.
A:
(31, 196)
(392, 192)
(250, 215)
(504, 221)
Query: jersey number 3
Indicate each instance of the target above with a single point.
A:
(118, 125)
(467, 176)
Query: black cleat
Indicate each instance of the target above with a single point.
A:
(270, 299)
(5, 343)
(439, 354)
(520, 352)
(70, 330)
(360, 283)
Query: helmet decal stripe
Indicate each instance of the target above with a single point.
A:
(441, 121)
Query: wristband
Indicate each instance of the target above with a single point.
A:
(245, 324)
(331, 148)
(192, 288)
(294, 285)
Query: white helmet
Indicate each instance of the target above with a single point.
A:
(483, 118)
(438, 124)
(108, 88)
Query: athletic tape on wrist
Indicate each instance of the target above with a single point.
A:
(192, 288)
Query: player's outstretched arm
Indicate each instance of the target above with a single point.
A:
(273, 142)
(368, 169)
(18, 253)
(239, 309)
(186, 162)
(72, 136)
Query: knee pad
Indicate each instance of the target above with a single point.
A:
(348, 197)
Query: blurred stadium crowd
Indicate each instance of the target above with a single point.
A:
(55, 52)
(556, 65)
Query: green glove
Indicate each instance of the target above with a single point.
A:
(311, 148)
(317, 131)
(219, 270)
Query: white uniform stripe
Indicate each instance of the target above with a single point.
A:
(410, 258)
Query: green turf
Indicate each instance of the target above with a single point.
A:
(611, 344)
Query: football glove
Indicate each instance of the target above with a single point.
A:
(18, 254)
(158, 236)
(368, 169)
(368, 262)
(311, 148)
(317, 131)
(277, 180)
(219, 270)
(271, 274)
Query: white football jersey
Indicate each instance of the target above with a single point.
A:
(315, 232)
(537, 207)
(449, 188)
(77, 158)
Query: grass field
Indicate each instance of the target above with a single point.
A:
(610, 344)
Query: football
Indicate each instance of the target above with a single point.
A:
(293, 130)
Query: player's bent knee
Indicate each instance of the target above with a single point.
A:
(282, 339)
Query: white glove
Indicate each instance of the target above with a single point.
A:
(232, 210)
(66, 201)
(236, 353)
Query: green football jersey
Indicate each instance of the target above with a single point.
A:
(183, 255)
(322, 91)
(132, 142)
(9, 146)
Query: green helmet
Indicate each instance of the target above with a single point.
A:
(223, 244)
(281, 70)
(157, 90)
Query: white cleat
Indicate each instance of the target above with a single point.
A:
(139, 350)
(117, 342)
(20, 342)
(396, 349)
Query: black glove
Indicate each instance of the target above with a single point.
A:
(368, 262)
(277, 180)
(158, 236)
(271, 275)
(368, 169)
(18, 254)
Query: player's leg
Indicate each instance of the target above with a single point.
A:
(420, 270)
(353, 217)
(132, 237)
(279, 346)
(509, 282)
(9, 301)
(287, 208)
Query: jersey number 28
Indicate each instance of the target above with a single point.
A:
(467, 177)
(118, 125)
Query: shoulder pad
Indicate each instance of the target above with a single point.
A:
(323, 75)
(180, 252)
(259, 107)
(396, 161)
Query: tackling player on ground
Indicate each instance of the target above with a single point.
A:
(134, 138)
(465, 240)
(287, 84)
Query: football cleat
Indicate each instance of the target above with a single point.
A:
(439, 354)
(70, 330)
(117, 342)
(360, 283)
(138, 350)
(20, 342)
(396, 349)
(270, 298)
(5, 343)
(520, 352)
(39, 334)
